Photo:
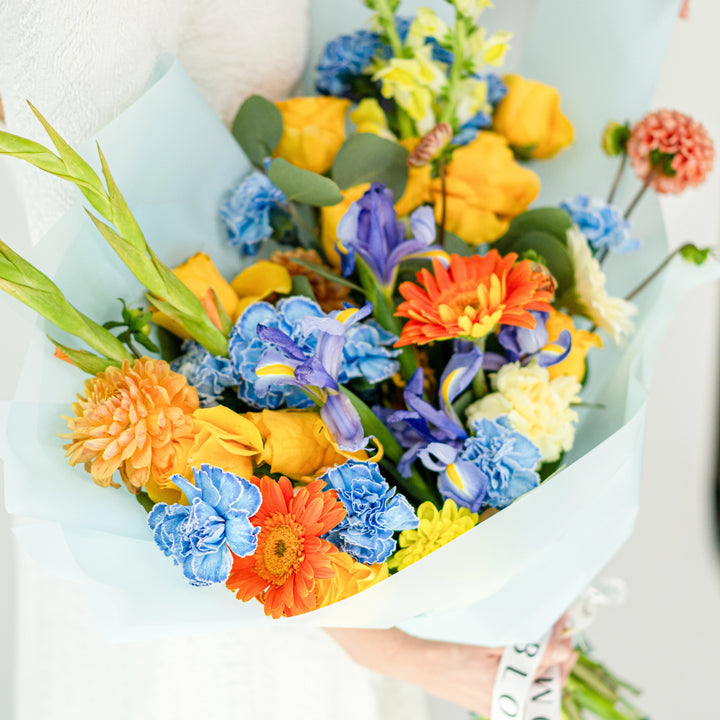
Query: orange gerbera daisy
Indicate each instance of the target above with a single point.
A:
(290, 553)
(470, 297)
(136, 419)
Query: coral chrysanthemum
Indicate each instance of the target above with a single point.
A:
(672, 133)
(136, 419)
(470, 297)
(291, 553)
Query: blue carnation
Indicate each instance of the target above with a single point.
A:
(209, 374)
(506, 458)
(602, 224)
(367, 354)
(374, 512)
(200, 536)
(246, 213)
(345, 58)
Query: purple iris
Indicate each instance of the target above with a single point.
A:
(421, 425)
(524, 344)
(371, 229)
(317, 374)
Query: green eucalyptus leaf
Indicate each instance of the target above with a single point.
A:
(302, 185)
(551, 220)
(555, 253)
(258, 127)
(454, 244)
(366, 158)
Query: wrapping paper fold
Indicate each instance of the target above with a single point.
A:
(506, 580)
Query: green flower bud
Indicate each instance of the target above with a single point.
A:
(694, 254)
(615, 138)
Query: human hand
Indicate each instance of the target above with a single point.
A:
(461, 674)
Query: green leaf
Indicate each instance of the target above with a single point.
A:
(384, 313)
(86, 361)
(694, 254)
(551, 220)
(328, 274)
(301, 286)
(663, 161)
(366, 158)
(77, 169)
(145, 501)
(415, 485)
(258, 127)
(26, 283)
(555, 253)
(456, 245)
(302, 185)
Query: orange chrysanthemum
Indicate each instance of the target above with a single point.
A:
(470, 297)
(290, 553)
(136, 419)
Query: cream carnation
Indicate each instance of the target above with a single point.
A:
(536, 406)
(608, 313)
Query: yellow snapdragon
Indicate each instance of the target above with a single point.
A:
(472, 99)
(426, 24)
(472, 8)
(484, 50)
(413, 83)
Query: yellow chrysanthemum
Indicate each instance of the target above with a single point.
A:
(536, 406)
(437, 528)
(136, 419)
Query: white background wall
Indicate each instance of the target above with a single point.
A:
(666, 637)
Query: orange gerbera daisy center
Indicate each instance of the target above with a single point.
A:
(282, 550)
(476, 307)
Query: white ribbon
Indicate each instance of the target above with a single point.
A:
(515, 678)
(516, 695)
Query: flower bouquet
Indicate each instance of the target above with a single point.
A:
(366, 370)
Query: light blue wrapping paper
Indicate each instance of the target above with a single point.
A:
(504, 581)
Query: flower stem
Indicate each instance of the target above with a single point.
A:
(443, 200)
(654, 172)
(387, 21)
(652, 275)
(455, 72)
(618, 176)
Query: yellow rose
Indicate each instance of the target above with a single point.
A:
(259, 280)
(313, 131)
(225, 439)
(349, 577)
(530, 116)
(582, 341)
(201, 276)
(297, 443)
(486, 188)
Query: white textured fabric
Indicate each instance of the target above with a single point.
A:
(82, 62)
